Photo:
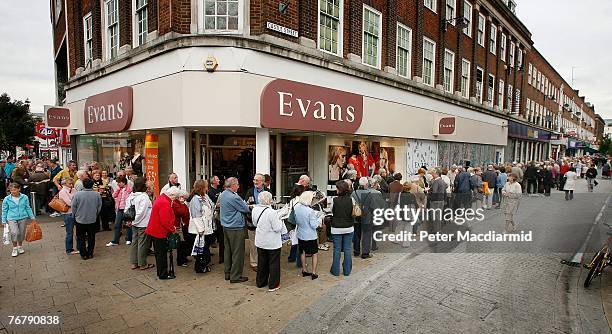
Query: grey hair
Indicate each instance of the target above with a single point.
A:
(265, 198)
(230, 181)
(373, 181)
(80, 173)
(377, 178)
(382, 170)
(66, 179)
(363, 181)
(351, 173)
(173, 192)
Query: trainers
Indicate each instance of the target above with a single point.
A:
(20, 250)
(55, 214)
(274, 289)
(128, 242)
(111, 244)
(15, 252)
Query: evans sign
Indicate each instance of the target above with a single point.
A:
(293, 105)
(109, 112)
(57, 117)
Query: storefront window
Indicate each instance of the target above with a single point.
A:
(114, 152)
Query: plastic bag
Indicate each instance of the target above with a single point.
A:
(33, 232)
(6, 236)
(198, 246)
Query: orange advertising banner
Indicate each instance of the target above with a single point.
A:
(152, 160)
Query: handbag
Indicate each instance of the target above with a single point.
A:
(129, 214)
(33, 232)
(173, 240)
(357, 212)
(6, 235)
(59, 205)
(291, 222)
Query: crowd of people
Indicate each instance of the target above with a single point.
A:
(218, 216)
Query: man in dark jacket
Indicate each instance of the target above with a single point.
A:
(531, 177)
(462, 189)
(490, 177)
(437, 198)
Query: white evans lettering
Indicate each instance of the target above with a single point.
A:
(317, 109)
(104, 113)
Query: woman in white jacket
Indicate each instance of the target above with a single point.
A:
(570, 183)
(142, 205)
(268, 242)
(201, 210)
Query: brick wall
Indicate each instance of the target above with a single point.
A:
(125, 22)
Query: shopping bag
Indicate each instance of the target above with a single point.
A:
(198, 246)
(6, 236)
(33, 232)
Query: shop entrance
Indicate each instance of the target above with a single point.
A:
(227, 156)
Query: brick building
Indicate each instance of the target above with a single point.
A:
(198, 73)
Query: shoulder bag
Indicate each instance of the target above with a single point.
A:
(59, 205)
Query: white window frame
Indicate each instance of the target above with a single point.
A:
(480, 34)
(451, 80)
(491, 89)
(529, 74)
(519, 57)
(433, 62)
(528, 110)
(135, 23)
(340, 29)
(465, 78)
(107, 36)
(517, 101)
(479, 85)
(500, 94)
(509, 98)
(88, 41)
(202, 18)
(399, 48)
(468, 28)
(493, 39)
(511, 56)
(502, 47)
(363, 41)
(432, 3)
(450, 15)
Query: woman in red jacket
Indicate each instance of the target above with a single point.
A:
(160, 225)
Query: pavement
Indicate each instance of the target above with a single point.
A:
(465, 288)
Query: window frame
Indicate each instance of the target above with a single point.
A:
(340, 29)
(87, 49)
(452, 72)
(468, 29)
(530, 74)
(479, 36)
(466, 93)
(491, 89)
(434, 4)
(502, 47)
(500, 93)
(108, 48)
(202, 20)
(493, 39)
(433, 62)
(135, 24)
(509, 91)
(511, 59)
(519, 57)
(363, 32)
(454, 12)
(481, 98)
(409, 50)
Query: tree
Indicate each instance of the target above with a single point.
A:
(606, 146)
(17, 126)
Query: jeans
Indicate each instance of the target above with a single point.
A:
(294, 256)
(118, 226)
(69, 222)
(342, 243)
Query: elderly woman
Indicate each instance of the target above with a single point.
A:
(512, 193)
(181, 222)
(307, 221)
(81, 175)
(120, 195)
(570, 183)
(201, 210)
(66, 195)
(160, 225)
(15, 212)
(268, 241)
(142, 207)
(342, 229)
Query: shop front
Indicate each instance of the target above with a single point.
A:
(527, 144)
(577, 147)
(269, 115)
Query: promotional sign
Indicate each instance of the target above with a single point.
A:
(293, 105)
(421, 153)
(57, 117)
(152, 160)
(446, 126)
(109, 112)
